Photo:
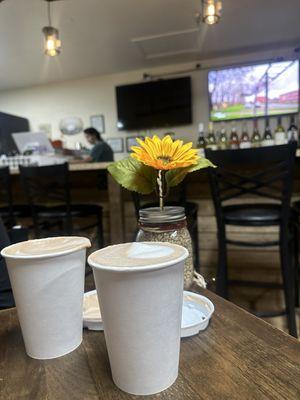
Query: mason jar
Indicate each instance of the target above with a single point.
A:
(167, 225)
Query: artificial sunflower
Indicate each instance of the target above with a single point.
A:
(157, 165)
(165, 154)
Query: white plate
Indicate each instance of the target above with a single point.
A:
(92, 319)
(196, 313)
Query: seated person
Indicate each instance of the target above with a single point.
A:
(101, 151)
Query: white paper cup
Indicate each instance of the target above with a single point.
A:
(48, 286)
(141, 307)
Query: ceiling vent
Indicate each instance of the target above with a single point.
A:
(168, 44)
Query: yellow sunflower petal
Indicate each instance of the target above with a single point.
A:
(164, 153)
(139, 140)
(150, 147)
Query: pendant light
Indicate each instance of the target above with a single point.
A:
(211, 11)
(52, 43)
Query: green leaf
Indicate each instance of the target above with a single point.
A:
(133, 175)
(176, 176)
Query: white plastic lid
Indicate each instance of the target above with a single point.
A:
(40, 248)
(138, 255)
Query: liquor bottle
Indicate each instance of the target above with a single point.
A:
(245, 142)
(211, 142)
(222, 140)
(234, 139)
(256, 138)
(293, 133)
(279, 136)
(172, 134)
(268, 138)
(201, 143)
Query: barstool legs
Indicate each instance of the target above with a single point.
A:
(222, 274)
(287, 271)
(296, 260)
(195, 239)
(100, 231)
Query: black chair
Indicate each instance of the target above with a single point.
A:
(9, 211)
(48, 193)
(295, 221)
(6, 238)
(265, 173)
(191, 212)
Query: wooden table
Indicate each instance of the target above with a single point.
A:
(237, 357)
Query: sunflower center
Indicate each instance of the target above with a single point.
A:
(164, 159)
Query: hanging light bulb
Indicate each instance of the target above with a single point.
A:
(211, 11)
(52, 43)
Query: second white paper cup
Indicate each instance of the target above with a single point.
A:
(141, 307)
(48, 291)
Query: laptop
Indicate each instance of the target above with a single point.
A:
(32, 143)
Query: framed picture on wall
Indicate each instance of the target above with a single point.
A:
(131, 141)
(117, 144)
(97, 122)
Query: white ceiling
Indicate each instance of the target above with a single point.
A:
(97, 35)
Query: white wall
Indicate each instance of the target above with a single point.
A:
(82, 98)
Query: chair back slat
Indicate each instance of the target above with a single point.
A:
(251, 185)
(47, 186)
(265, 172)
(6, 198)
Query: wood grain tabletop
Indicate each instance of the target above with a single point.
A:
(237, 357)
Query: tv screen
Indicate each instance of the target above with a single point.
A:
(155, 104)
(254, 91)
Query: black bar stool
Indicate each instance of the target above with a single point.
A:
(265, 173)
(191, 212)
(296, 228)
(6, 238)
(48, 193)
(6, 296)
(9, 211)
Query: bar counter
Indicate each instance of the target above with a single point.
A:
(78, 167)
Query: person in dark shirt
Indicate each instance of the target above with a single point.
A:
(101, 151)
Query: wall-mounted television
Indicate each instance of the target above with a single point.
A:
(154, 104)
(254, 91)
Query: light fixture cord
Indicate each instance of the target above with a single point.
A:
(49, 14)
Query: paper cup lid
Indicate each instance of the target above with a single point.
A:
(138, 256)
(48, 247)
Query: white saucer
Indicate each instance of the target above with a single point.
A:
(196, 313)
